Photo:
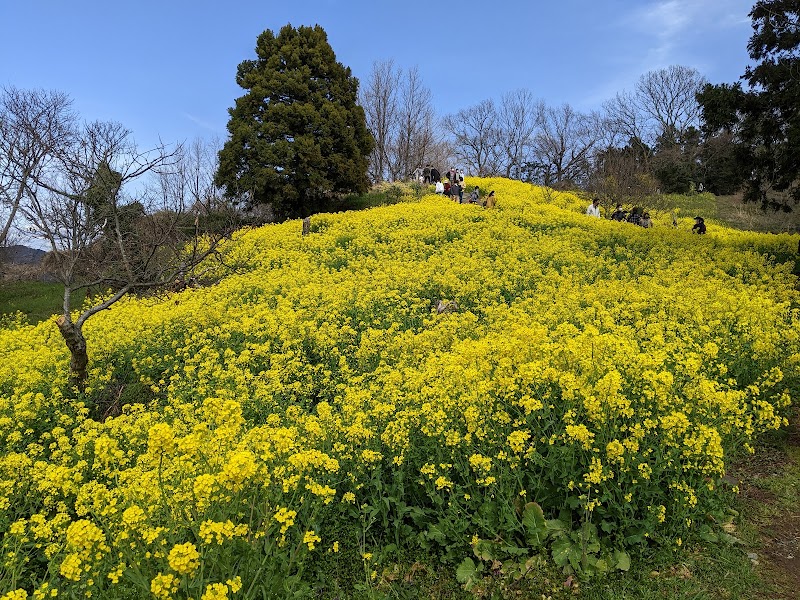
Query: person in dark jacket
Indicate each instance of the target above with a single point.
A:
(455, 192)
(699, 225)
(475, 196)
(619, 214)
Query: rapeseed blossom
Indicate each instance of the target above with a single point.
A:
(163, 586)
(579, 362)
(215, 591)
(184, 558)
(310, 539)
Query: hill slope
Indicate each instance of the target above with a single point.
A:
(507, 383)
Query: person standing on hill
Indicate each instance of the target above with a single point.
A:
(593, 209)
(475, 196)
(440, 188)
(455, 191)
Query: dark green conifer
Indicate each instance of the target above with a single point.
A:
(298, 139)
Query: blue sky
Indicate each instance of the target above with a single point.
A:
(167, 69)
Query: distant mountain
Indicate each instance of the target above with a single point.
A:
(21, 255)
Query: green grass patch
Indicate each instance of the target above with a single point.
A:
(384, 195)
(36, 300)
(711, 572)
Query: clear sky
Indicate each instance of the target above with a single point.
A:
(167, 68)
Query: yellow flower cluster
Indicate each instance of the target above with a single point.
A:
(163, 586)
(424, 355)
(285, 517)
(310, 539)
(212, 531)
(184, 558)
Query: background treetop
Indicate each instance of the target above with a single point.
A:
(764, 118)
(298, 139)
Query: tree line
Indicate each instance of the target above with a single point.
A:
(673, 132)
(642, 140)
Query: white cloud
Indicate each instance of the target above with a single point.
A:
(669, 22)
(660, 33)
(201, 123)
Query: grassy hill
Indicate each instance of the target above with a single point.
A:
(509, 393)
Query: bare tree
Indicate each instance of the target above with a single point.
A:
(564, 146)
(518, 118)
(624, 117)
(474, 133)
(663, 104)
(668, 97)
(399, 111)
(627, 125)
(379, 100)
(189, 185)
(34, 124)
(415, 135)
(100, 236)
(621, 174)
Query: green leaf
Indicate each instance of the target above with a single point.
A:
(510, 568)
(436, 533)
(587, 538)
(534, 523)
(709, 537)
(514, 550)
(622, 560)
(555, 527)
(731, 539)
(637, 537)
(560, 550)
(484, 550)
(466, 571)
(534, 562)
(575, 556)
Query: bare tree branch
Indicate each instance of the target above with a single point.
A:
(102, 235)
(33, 125)
(475, 140)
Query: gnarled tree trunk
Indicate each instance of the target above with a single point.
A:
(73, 337)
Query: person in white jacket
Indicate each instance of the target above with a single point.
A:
(594, 208)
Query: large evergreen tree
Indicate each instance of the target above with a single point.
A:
(765, 118)
(297, 137)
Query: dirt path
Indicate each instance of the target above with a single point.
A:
(770, 485)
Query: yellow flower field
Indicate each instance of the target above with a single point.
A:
(312, 408)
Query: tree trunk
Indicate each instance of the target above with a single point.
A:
(73, 337)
